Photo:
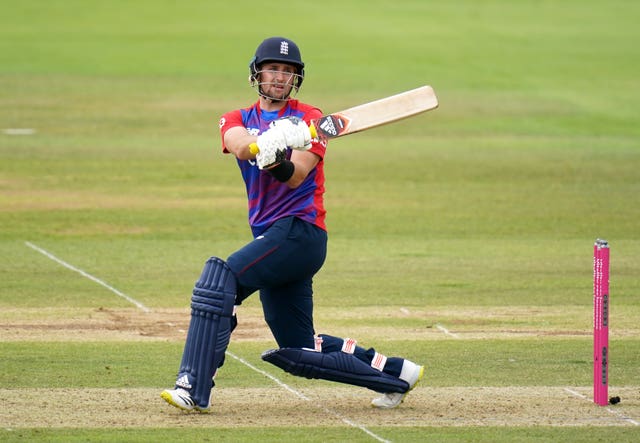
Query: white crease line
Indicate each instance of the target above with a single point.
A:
(19, 131)
(89, 276)
(577, 394)
(241, 360)
(270, 377)
(446, 331)
(608, 409)
(304, 397)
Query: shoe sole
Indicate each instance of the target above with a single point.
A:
(169, 399)
(420, 375)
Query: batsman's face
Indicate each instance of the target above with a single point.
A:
(277, 79)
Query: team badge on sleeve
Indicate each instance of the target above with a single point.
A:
(222, 122)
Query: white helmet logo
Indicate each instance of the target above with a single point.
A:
(284, 48)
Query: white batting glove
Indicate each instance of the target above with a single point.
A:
(273, 148)
(296, 132)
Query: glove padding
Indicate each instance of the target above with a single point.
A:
(295, 131)
(273, 148)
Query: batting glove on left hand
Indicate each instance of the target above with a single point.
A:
(273, 149)
(295, 131)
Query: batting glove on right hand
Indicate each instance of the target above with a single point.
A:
(273, 149)
(295, 131)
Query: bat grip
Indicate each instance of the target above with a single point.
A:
(253, 147)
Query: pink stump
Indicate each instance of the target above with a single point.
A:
(600, 322)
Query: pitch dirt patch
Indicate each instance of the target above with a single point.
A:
(324, 406)
(108, 324)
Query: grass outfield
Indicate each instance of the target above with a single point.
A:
(461, 238)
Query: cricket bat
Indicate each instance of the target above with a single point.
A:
(369, 115)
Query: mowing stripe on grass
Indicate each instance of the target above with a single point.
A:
(87, 275)
(241, 360)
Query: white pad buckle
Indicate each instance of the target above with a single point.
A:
(318, 343)
(349, 346)
(378, 361)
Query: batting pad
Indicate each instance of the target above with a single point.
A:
(334, 366)
(209, 330)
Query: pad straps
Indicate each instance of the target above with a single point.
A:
(335, 366)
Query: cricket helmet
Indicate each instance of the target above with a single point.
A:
(277, 49)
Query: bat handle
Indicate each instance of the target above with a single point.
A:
(253, 147)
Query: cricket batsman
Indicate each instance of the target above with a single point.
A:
(285, 186)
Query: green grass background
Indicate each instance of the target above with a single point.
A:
(493, 200)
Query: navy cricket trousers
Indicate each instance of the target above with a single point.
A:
(281, 264)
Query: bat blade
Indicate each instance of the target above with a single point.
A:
(369, 115)
(376, 113)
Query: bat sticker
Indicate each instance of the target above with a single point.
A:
(332, 125)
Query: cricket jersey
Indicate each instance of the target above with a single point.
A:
(268, 199)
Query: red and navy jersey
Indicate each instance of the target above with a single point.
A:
(270, 200)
